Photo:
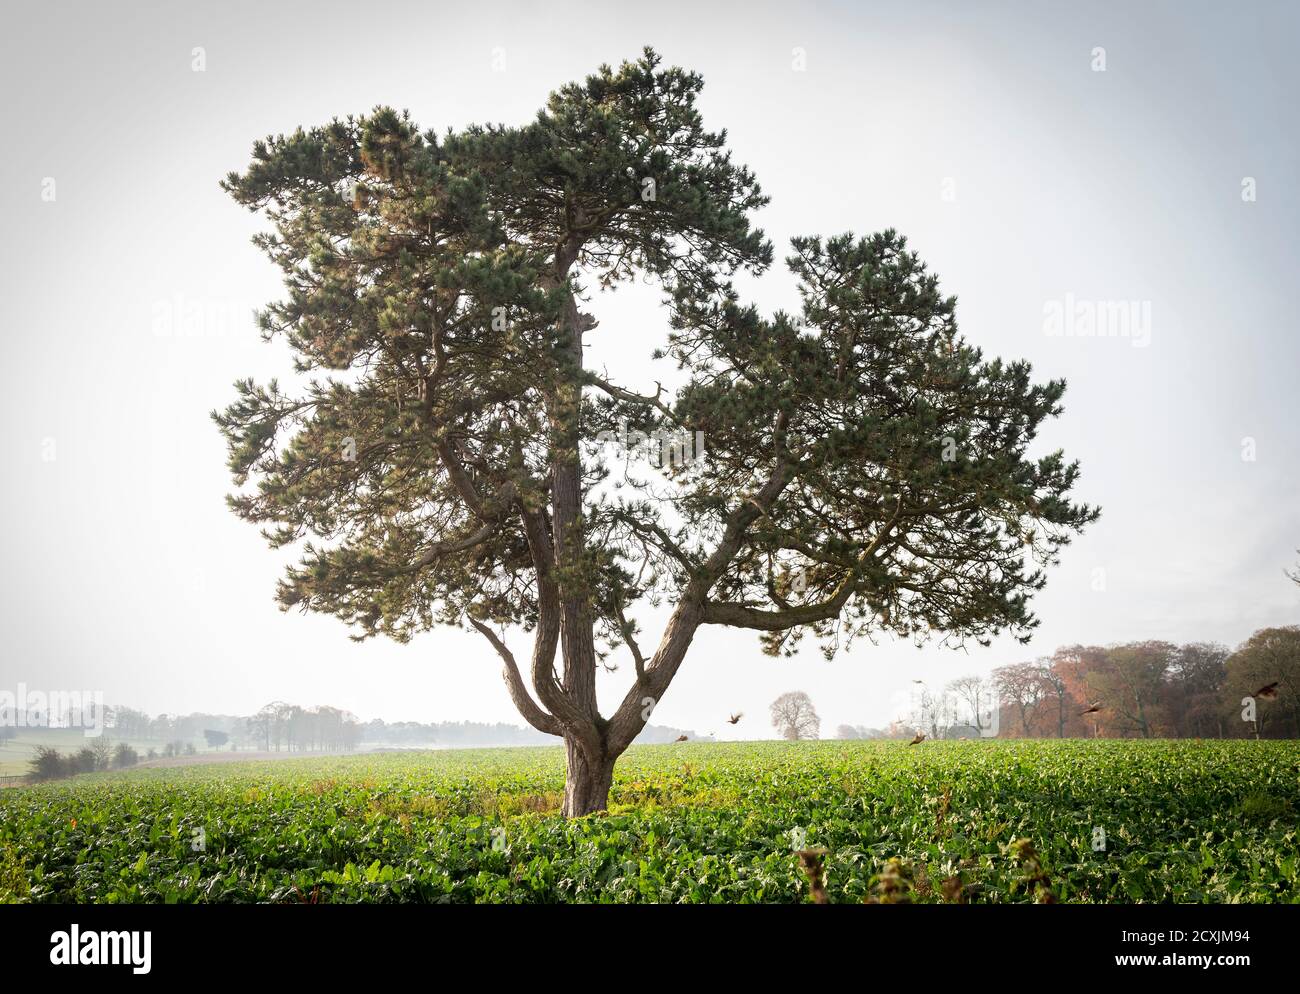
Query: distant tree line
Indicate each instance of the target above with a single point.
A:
(1150, 689)
(290, 728)
(448, 733)
(1158, 690)
(278, 727)
(284, 727)
(50, 764)
(130, 723)
(476, 734)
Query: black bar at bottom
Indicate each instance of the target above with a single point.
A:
(989, 944)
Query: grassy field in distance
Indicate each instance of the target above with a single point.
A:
(16, 753)
(1110, 820)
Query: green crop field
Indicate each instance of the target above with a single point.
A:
(1110, 821)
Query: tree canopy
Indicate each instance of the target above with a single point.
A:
(442, 461)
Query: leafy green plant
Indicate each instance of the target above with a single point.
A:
(14, 887)
(691, 823)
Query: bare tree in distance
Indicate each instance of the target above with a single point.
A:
(1024, 689)
(978, 694)
(794, 716)
(932, 713)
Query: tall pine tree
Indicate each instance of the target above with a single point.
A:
(866, 469)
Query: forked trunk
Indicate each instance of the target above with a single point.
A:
(586, 784)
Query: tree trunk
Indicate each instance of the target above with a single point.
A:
(586, 784)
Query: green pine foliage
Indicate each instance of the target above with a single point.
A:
(867, 469)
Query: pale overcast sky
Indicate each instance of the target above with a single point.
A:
(984, 132)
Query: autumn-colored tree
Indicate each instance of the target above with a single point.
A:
(1025, 693)
(1063, 708)
(1131, 683)
(1075, 667)
(1194, 690)
(1271, 655)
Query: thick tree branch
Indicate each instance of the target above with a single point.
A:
(629, 636)
(441, 549)
(743, 616)
(686, 618)
(556, 699)
(618, 393)
(738, 616)
(523, 700)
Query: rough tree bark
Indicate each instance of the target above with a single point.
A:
(590, 767)
(587, 781)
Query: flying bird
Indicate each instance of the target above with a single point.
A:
(681, 738)
(920, 737)
(735, 717)
(1268, 693)
(1096, 706)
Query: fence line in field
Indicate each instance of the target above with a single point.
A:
(17, 781)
